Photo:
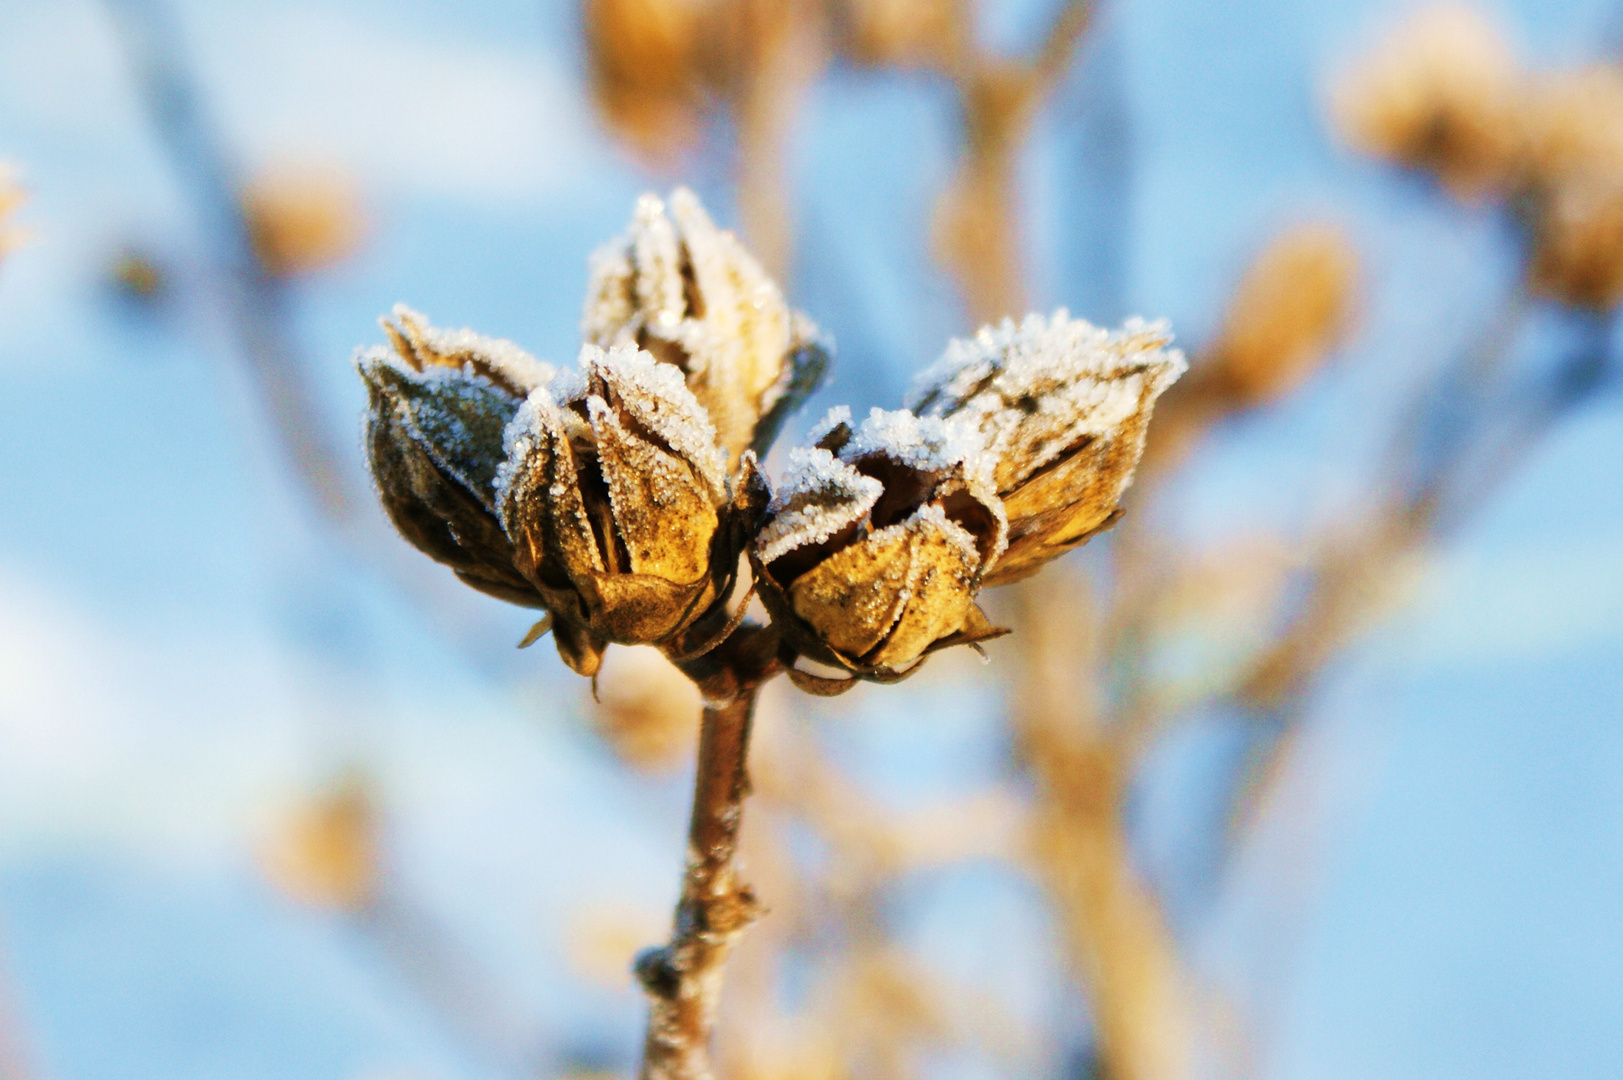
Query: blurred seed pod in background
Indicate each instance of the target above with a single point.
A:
(1578, 259)
(327, 854)
(1443, 94)
(689, 293)
(875, 545)
(1292, 308)
(1062, 406)
(1575, 126)
(646, 710)
(644, 63)
(302, 219)
(615, 495)
(901, 33)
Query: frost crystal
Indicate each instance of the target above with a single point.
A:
(423, 347)
(820, 495)
(1038, 388)
(690, 294)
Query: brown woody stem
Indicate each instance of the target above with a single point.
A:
(683, 978)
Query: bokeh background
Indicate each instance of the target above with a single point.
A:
(196, 663)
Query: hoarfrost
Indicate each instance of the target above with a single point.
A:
(658, 398)
(500, 360)
(1036, 388)
(819, 496)
(689, 291)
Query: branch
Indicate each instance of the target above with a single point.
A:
(684, 978)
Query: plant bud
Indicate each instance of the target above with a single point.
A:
(437, 406)
(1062, 406)
(613, 493)
(874, 546)
(1442, 95)
(1291, 308)
(690, 294)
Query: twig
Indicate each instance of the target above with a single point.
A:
(254, 300)
(684, 978)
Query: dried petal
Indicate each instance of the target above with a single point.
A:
(690, 294)
(1062, 407)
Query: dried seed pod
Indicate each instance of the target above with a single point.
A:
(1062, 406)
(437, 407)
(1291, 308)
(1579, 255)
(689, 293)
(1443, 94)
(875, 544)
(614, 494)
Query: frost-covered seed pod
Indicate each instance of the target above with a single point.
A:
(437, 406)
(689, 293)
(1062, 406)
(875, 544)
(613, 492)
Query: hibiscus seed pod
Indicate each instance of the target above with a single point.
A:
(875, 544)
(689, 293)
(614, 494)
(1062, 406)
(437, 407)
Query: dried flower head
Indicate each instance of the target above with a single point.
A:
(876, 543)
(646, 709)
(437, 406)
(1292, 307)
(1575, 126)
(1062, 406)
(1442, 94)
(301, 220)
(645, 71)
(614, 494)
(1579, 255)
(690, 294)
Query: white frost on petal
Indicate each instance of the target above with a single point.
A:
(932, 515)
(929, 444)
(819, 496)
(1035, 388)
(839, 414)
(468, 349)
(657, 397)
(679, 285)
